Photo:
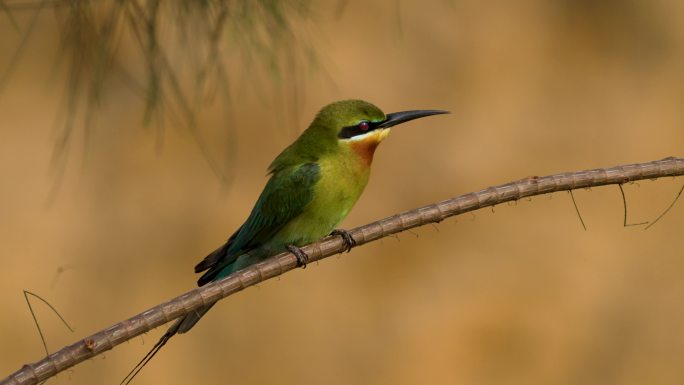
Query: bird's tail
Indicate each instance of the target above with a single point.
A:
(180, 326)
(183, 325)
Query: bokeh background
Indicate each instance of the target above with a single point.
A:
(114, 222)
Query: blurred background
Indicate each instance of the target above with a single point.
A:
(124, 160)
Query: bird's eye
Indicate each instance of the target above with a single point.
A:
(363, 126)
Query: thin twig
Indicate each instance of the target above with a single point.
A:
(281, 263)
(624, 204)
(35, 320)
(667, 209)
(577, 210)
(27, 5)
(12, 65)
(4, 8)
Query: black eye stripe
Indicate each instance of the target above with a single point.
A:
(351, 131)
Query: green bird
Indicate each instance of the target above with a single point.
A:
(313, 185)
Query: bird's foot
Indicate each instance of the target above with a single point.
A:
(348, 240)
(302, 257)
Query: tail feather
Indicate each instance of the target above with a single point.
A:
(186, 323)
(210, 260)
(216, 256)
(180, 326)
(155, 349)
(214, 263)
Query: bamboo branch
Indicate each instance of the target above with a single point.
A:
(284, 262)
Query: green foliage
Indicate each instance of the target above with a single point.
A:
(176, 55)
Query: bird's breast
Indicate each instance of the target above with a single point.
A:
(342, 181)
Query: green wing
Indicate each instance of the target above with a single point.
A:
(285, 196)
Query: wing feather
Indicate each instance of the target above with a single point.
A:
(285, 196)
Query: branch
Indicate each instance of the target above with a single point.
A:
(284, 262)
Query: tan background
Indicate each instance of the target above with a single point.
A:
(519, 296)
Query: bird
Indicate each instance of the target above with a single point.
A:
(313, 185)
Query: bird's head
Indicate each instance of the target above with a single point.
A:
(345, 125)
(361, 125)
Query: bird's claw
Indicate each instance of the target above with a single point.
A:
(348, 240)
(302, 257)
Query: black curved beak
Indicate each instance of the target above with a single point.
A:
(404, 116)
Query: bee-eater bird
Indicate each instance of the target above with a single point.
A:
(313, 184)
